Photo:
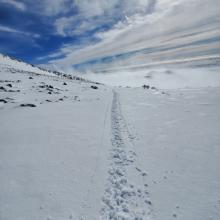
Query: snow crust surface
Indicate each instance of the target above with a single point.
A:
(69, 151)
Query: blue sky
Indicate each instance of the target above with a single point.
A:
(100, 34)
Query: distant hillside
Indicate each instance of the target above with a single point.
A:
(15, 65)
(18, 65)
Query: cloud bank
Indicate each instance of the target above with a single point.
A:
(103, 34)
(147, 31)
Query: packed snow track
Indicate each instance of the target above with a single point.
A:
(123, 199)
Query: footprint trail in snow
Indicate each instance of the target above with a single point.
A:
(124, 198)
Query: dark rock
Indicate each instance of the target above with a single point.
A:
(169, 72)
(154, 88)
(148, 202)
(64, 84)
(46, 86)
(9, 85)
(13, 90)
(2, 100)
(144, 174)
(94, 87)
(3, 89)
(30, 77)
(50, 93)
(146, 86)
(148, 76)
(28, 105)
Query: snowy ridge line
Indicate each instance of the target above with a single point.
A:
(123, 199)
(17, 70)
(18, 65)
(48, 75)
(14, 65)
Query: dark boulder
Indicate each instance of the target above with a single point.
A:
(28, 105)
(49, 86)
(94, 87)
(146, 86)
(154, 88)
(3, 101)
(3, 89)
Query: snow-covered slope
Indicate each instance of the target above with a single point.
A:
(161, 77)
(70, 149)
(7, 62)
(53, 146)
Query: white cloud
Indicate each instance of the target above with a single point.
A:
(95, 7)
(55, 7)
(63, 25)
(141, 28)
(17, 4)
(100, 7)
(93, 13)
(78, 25)
(15, 31)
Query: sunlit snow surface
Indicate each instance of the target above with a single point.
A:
(171, 74)
(110, 153)
(164, 78)
(17, 65)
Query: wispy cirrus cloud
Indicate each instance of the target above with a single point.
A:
(56, 7)
(15, 31)
(95, 14)
(154, 26)
(17, 4)
(102, 33)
